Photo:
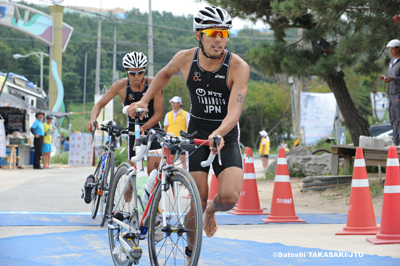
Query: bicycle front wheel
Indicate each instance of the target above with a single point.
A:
(184, 221)
(125, 208)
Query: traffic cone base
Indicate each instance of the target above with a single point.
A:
(358, 231)
(381, 239)
(283, 219)
(248, 212)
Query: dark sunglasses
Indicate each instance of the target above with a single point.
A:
(134, 73)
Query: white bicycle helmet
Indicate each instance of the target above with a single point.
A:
(134, 60)
(216, 15)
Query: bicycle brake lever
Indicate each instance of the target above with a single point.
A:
(187, 135)
(94, 130)
(217, 140)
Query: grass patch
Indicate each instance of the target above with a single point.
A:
(268, 176)
(376, 188)
(60, 158)
(296, 170)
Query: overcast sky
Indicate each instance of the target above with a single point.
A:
(177, 7)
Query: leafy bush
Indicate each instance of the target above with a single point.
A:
(60, 158)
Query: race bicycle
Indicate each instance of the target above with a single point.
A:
(166, 219)
(97, 186)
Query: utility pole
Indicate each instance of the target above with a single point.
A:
(97, 81)
(114, 71)
(298, 87)
(150, 38)
(84, 95)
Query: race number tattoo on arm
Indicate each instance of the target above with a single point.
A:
(162, 91)
(156, 165)
(240, 98)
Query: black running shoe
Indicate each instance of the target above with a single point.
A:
(87, 189)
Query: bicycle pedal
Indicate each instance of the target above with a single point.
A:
(131, 250)
(87, 189)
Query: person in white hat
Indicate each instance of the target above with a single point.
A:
(392, 78)
(264, 147)
(175, 121)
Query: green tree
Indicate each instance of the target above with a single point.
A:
(355, 32)
(267, 106)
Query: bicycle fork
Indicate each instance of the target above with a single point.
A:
(128, 240)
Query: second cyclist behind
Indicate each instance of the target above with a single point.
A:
(132, 89)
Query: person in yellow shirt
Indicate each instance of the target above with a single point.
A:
(175, 121)
(264, 147)
(48, 131)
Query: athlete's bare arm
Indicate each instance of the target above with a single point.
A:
(118, 88)
(180, 62)
(239, 72)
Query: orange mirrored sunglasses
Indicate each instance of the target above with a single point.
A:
(214, 33)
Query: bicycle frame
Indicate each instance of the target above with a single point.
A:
(132, 175)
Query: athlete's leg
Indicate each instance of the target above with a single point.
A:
(230, 184)
(152, 163)
(182, 159)
(201, 179)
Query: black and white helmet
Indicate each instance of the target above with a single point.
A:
(212, 16)
(134, 60)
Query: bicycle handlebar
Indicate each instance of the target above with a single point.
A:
(139, 111)
(179, 142)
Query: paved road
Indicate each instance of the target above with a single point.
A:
(54, 196)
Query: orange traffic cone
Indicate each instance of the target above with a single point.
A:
(213, 187)
(282, 206)
(249, 203)
(360, 217)
(390, 221)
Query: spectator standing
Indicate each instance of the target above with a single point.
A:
(38, 131)
(264, 147)
(62, 140)
(175, 121)
(284, 145)
(392, 78)
(48, 132)
(66, 144)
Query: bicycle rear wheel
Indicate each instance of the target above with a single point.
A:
(95, 196)
(125, 207)
(167, 244)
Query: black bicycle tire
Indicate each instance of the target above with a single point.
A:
(321, 150)
(187, 180)
(121, 170)
(96, 200)
(107, 173)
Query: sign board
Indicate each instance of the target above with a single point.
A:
(15, 122)
(32, 22)
(80, 149)
(317, 115)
